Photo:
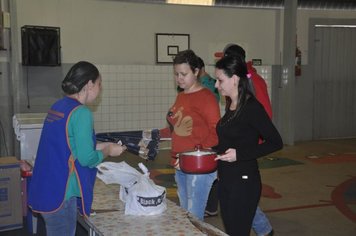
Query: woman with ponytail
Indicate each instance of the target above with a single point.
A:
(239, 131)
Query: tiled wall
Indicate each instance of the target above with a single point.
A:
(134, 97)
(266, 73)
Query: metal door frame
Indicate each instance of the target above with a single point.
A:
(311, 52)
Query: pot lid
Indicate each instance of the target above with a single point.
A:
(198, 153)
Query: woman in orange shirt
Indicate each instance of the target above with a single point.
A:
(192, 119)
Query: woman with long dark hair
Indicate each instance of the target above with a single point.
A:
(239, 130)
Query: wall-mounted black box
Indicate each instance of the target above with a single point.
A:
(40, 45)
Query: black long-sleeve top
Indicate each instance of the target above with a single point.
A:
(243, 133)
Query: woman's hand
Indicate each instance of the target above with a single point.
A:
(102, 145)
(111, 149)
(229, 155)
(176, 164)
(116, 149)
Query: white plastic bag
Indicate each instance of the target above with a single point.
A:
(118, 173)
(140, 194)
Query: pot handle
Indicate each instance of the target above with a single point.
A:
(198, 147)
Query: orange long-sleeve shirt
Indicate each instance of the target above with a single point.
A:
(193, 118)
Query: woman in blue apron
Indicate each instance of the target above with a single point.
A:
(65, 166)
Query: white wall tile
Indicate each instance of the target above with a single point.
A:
(134, 97)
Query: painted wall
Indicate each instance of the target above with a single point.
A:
(111, 32)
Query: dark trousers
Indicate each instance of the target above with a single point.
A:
(238, 202)
(213, 200)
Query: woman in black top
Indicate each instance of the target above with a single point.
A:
(239, 131)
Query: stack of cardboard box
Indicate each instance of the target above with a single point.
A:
(10, 194)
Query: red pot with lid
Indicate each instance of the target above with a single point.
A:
(198, 161)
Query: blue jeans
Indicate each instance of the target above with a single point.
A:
(193, 191)
(260, 223)
(64, 221)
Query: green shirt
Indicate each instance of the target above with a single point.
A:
(80, 132)
(208, 82)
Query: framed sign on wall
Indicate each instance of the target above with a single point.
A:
(169, 45)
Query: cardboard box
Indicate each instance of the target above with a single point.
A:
(10, 194)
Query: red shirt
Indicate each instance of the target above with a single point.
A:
(193, 118)
(260, 87)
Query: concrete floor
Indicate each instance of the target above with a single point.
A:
(309, 189)
(316, 197)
